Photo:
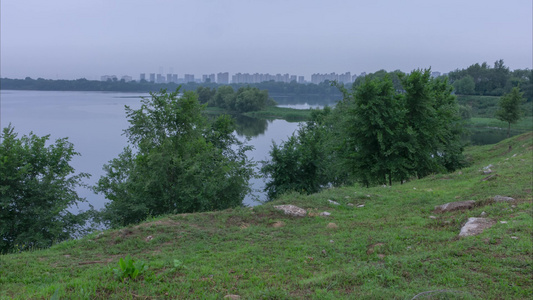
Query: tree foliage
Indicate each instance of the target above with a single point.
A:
(509, 108)
(377, 134)
(482, 79)
(37, 188)
(178, 162)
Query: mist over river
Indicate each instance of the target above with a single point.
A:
(94, 122)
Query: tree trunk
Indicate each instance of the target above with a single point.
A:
(509, 130)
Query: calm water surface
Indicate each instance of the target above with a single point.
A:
(94, 122)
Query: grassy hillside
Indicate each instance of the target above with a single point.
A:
(387, 243)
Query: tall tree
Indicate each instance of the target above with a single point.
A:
(509, 108)
(37, 188)
(181, 163)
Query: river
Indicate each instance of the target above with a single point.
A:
(94, 122)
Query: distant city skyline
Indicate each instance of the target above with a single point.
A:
(223, 77)
(64, 39)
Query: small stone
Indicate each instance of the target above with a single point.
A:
(324, 252)
(332, 226)
(333, 202)
(292, 210)
(382, 256)
(361, 205)
(483, 214)
(460, 173)
(487, 171)
(414, 188)
(499, 198)
(278, 224)
(408, 247)
(514, 155)
(148, 238)
(503, 222)
(350, 204)
(325, 214)
(514, 237)
(368, 196)
(331, 241)
(232, 297)
(432, 217)
(346, 197)
(513, 206)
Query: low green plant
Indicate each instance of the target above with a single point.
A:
(129, 268)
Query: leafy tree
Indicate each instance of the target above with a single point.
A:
(205, 94)
(509, 108)
(300, 163)
(465, 85)
(376, 135)
(37, 187)
(178, 162)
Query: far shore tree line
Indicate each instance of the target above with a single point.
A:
(387, 129)
(477, 79)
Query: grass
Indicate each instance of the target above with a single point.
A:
(388, 249)
(274, 112)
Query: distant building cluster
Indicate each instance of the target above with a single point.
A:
(344, 78)
(224, 78)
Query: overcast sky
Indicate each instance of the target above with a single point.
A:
(67, 39)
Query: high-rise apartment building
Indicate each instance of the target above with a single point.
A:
(189, 78)
(142, 77)
(152, 77)
(223, 78)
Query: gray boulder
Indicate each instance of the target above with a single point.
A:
(460, 205)
(475, 226)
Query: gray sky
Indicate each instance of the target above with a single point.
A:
(70, 39)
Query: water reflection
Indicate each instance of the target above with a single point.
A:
(249, 127)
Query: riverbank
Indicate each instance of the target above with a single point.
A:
(381, 242)
(270, 113)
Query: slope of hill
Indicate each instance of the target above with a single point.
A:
(377, 243)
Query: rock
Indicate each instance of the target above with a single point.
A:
(148, 238)
(292, 210)
(514, 237)
(232, 297)
(361, 205)
(503, 222)
(486, 170)
(331, 241)
(432, 217)
(483, 214)
(333, 202)
(325, 214)
(350, 204)
(455, 206)
(332, 226)
(278, 224)
(499, 198)
(475, 226)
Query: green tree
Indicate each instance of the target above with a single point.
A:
(465, 85)
(300, 163)
(178, 163)
(509, 108)
(37, 187)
